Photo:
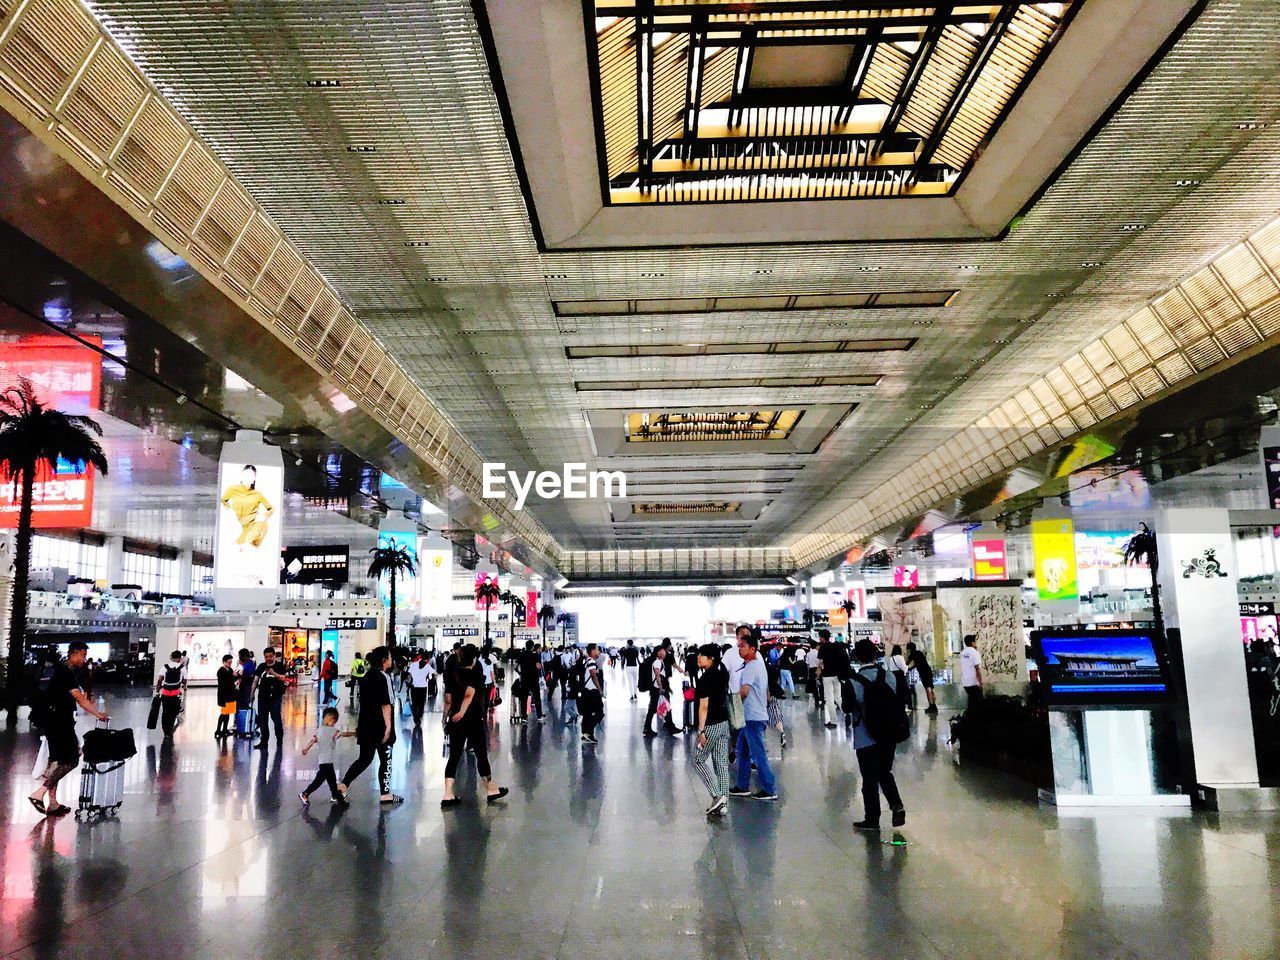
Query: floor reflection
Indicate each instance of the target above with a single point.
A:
(603, 851)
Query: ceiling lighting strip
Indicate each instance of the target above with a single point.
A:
(65, 78)
(1224, 312)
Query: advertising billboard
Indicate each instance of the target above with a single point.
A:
(989, 559)
(250, 515)
(205, 650)
(906, 576)
(435, 573)
(66, 377)
(329, 564)
(1054, 544)
(406, 585)
(485, 576)
(1100, 549)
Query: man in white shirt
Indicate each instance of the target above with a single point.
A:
(420, 673)
(971, 669)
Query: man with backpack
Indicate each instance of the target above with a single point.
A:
(591, 699)
(654, 672)
(171, 687)
(881, 724)
(53, 711)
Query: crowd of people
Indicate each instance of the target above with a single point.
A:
(728, 697)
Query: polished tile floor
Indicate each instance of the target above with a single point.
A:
(604, 852)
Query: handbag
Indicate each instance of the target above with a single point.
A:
(664, 707)
(737, 717)
(688, 694)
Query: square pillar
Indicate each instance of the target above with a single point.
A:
(1198, 590)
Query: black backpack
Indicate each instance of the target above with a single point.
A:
(40, 698)
(645, 681)
(882, 710)
(577, 678)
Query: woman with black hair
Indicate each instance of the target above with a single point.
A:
(465, 712)
(375, 728)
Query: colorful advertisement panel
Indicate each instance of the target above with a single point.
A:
(67, 377)
(250, 516)
(435, 572)
(531, 608)
(1101, 550)
(406, 585)
(485, 576)
(989, 559)
(205, 650)
(1054, 543)
(906, 576)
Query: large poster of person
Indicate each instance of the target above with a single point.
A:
(250, 515)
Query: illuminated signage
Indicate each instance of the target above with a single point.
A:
(314, 564)
(1054, 543)
(406, 584)
(247, 551)
(65, 377)
(435, 573)
(989, 560)
(351, 623)
(906, 576)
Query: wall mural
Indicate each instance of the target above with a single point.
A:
(996, 620)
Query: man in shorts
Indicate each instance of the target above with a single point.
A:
(61, 696)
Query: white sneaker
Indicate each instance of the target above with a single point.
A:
(717, 807)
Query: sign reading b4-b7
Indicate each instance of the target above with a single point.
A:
(67, 377)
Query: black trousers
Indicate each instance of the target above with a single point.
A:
(875, 763)
(170, 707)
(367, 751)
(591, 706)
(269, 709)
(654, 696)
(533, 690)
(460, 734)
(324, 774)
(418, 701)
(328, 691)
(974, 694)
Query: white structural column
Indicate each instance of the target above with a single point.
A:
(1198, 589)
(115, 560)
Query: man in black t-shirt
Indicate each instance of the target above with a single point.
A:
(833, 667)
(631, 667)
(270, 677)
(530, 665)
(61, 693)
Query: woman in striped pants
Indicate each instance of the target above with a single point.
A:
(712, 758)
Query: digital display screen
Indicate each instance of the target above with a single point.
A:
(1112, 668)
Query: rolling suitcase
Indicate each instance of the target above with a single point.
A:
(244, 724)
(102, 776)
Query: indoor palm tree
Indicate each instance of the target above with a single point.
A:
(391, 561)
(546, 617)
(33, 438)
(850, 608)
(487, 593)
(1140, 549)
(562, 619)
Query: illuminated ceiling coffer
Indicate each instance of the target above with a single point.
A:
(779, 99)
(712, 425)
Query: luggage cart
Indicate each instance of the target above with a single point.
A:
(102, 776)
